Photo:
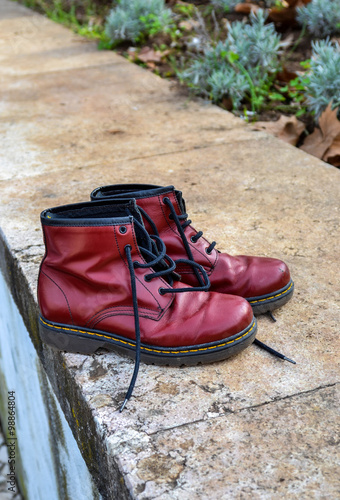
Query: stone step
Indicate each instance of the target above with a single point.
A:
(73, 118)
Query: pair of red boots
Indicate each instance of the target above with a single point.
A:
(128, 272)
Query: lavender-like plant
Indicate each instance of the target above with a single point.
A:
(320, 18)
(322, 80)
(131, 19)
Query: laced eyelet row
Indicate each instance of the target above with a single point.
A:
(181, 226)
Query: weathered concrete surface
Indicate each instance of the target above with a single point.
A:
(72, 119)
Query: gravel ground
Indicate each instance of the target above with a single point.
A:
(4, 470)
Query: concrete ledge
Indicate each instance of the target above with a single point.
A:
(72, 119)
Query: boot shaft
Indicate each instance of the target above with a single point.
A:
(84, 275)
(152, 202)
(149, 198)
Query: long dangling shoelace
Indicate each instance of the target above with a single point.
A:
(156, 258)
(181, 227)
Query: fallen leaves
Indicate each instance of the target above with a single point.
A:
(287, 128)
(286, 76)
(287, 14)
(324, 142)
(246, 8)
(147, 55)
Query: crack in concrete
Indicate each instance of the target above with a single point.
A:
(247, 408)
(165, 153)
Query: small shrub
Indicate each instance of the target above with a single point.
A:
(322, 80)
(321, 18)
(135, 19)
(229, 5)
(228, 82)
(238, 66)
(257, 45)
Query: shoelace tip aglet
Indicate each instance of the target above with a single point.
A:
(290, 360)
(123, 405)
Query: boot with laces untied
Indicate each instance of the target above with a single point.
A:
(263, 281)
(104, 282)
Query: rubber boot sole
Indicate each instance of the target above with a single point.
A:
(271, 301)
(85, 341)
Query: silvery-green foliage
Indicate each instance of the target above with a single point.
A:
(256, 47)
(229, 5)
(201, 69)
(322, 80)
(228, 82)
(321, 18)
(125, 22)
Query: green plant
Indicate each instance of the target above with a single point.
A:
(321, 18)
(58, 12)
(228, 82)
(242, 66)
(321, 82)
(185, 9)
(136, 19)
(295, 91)
(229, 5)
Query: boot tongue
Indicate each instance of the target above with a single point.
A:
(143, 238)
(132, 209)
(180, 200)
(145, 242)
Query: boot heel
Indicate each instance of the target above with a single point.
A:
(67, 341)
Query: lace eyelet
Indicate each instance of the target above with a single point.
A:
(206, 251)
(160, 291)
(192, 239)
(123, 229)
(147, 278)
(165, 199)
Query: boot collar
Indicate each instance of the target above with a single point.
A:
(136, 191)
(98, 213)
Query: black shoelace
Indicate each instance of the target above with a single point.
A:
(181, 227)
(156, 258)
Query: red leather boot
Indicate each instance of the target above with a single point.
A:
(104, 282)
(264, 282)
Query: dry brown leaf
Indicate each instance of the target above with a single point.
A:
(286, 15)
(287, 128)
(322, 139)
(246, 8)
(332, 155)
(314, 144)
(329, 123)
(148, 55)
(285, 76)
(189, 25)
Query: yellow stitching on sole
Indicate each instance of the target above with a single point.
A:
(147, 348)
(273, 297)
